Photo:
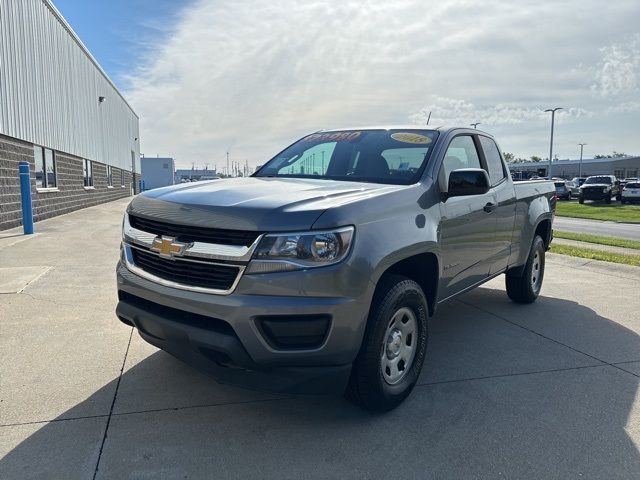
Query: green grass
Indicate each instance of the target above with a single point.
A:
(600, 211)
(596, 254)
(599, 239)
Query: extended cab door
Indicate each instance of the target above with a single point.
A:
(504, 209)
(467, 229)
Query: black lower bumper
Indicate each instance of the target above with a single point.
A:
(211, 346)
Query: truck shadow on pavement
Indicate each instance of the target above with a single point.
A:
(536, 391)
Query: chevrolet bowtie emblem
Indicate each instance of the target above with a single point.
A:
(167, 247)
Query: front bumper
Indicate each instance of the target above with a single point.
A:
(595, 194)
(221, 335)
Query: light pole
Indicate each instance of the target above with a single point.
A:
(475, 125)
(581, 148)
(553, 114)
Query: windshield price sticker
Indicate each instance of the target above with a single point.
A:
(407, 137)
(332, 137)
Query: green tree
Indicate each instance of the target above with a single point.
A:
(535, 158)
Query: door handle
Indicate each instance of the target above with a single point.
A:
(489, 207)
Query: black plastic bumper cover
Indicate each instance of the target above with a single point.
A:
(220, 354)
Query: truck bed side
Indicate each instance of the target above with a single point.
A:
(535, 204)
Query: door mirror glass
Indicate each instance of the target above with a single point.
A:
(468, 181)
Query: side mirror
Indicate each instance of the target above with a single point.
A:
(468, 181)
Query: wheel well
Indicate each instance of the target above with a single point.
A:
(544, 230)
(422, 269)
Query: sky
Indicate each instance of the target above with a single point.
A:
(250, 77)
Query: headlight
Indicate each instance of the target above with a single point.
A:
(297, 251)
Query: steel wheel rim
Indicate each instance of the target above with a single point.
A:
(536, 271)
(399, 346)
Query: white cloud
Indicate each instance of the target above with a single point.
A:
(256, 75)
(451, 111)
(619, 70)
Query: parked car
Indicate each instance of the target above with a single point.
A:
(319, 273)
(600, 187)
(563, 191)
(631, 192)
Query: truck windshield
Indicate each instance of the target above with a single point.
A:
(376, 156)
(606, 180)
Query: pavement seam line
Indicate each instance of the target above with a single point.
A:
(68, 419)
(504, 375)
(113, 402)
(204, 405)
(579, 267)
(548, 338)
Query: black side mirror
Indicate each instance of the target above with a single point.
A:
(468, 181)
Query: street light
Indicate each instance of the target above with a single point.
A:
(475, 125)
(553, 114)
(581, 148)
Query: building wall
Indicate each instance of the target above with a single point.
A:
(157, 172)
(50, 85)
(621, 167)
(70, 193)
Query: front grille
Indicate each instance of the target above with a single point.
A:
(197, 274)
(190, 233)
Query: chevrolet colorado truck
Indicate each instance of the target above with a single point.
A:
(319, 273)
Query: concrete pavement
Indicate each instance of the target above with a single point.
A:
(548, 390)
(597, 227)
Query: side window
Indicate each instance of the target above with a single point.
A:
(461, 153)
(45, 167)
(494, 161)
(87, 172)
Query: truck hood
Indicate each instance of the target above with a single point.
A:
(595, 185)
(254, 203)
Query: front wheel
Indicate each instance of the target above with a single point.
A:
(581, 200)
(608, 199)
(394, 346)
(523, 285)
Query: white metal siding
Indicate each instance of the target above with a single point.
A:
(49, 89)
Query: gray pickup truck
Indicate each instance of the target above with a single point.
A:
(320, 272)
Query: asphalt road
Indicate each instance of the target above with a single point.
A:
(548, 390)
(597, 227)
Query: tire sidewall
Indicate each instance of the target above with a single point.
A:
(538, 245)
(410, 295)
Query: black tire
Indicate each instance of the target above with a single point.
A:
(623, 201)
(608, 199)
(580, 199)
(368, 386)
(523, 285)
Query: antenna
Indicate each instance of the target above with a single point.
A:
(429, 117)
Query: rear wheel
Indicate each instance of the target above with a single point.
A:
(394, 346)
(523, 285)
(581, 199)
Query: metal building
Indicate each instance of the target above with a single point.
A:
(60, 111)
(157, 172)
(623, 167)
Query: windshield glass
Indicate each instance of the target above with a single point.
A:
(377, 156)
(633, 185)
(606, 180)
(559, 184)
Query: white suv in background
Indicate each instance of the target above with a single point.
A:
(631, 192)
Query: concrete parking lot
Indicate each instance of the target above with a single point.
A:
(548, 390)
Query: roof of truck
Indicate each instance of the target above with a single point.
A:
(412, 126)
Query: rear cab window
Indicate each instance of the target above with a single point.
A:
(495, 165)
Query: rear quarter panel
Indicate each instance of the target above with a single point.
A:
(533, 205)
